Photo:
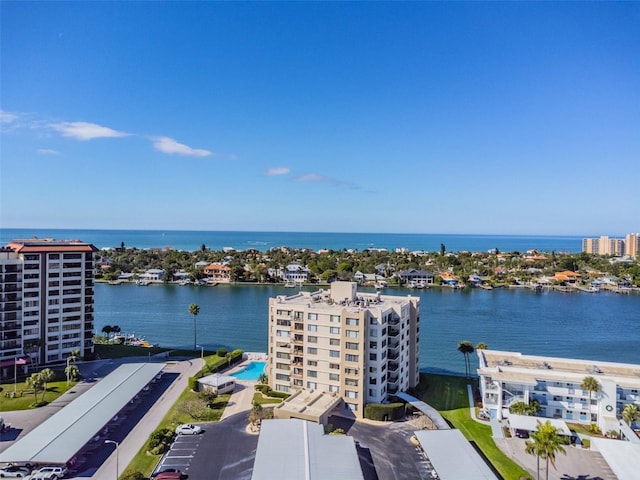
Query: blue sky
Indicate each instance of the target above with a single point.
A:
(452, 117)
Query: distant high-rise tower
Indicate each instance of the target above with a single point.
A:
(47, 301)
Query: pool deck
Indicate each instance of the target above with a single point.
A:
(242, 395)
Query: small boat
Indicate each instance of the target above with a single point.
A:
(290, 285)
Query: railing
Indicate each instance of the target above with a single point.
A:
(512, 400)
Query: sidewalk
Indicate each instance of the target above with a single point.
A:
(240, 400)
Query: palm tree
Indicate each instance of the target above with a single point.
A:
(591, 385)
(482, 346)
(35, 382)
(531, 448)
(107, 331)
(630, 413)
(466, 348)
(46, 375)
(72, 372)
(194, 309)
(548, 442)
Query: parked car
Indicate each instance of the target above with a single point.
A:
(60, 472)
(165, 470)
(44, 476)
(188, 429)
(522, 433)
(14, 471)
(169, 476)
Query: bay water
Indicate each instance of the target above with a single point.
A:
(599, 327)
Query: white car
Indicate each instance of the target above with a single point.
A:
(188, 429)
(59, 472)
(14, 471)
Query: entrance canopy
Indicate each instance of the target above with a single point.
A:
(60, 437)
(529, 423)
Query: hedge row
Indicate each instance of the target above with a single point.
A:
(384, 412)
(266, 390)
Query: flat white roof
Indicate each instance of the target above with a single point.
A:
(452, 456)
(60, 437)
(530, 423)
(623, 457)
(299, 450)
(216, 379)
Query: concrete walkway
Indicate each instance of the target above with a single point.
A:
(496, 426)
(240, 400)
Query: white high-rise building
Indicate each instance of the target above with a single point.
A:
(361, 346)
(47, 301)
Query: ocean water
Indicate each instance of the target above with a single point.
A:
(599, 327)
(193, 240)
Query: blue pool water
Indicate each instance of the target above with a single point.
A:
(251, 372)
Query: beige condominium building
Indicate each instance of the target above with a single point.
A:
(556, 383)
(46, 302)
(362, 347)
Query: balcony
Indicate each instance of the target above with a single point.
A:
(298, 351)
(393, 366)
(394, 321)
(393, 379)
(298, 339)
(392, 390)
(298, 326)
(394, 345)
(393, 332)
(392, 355)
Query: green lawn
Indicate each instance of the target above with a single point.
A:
(260, 399)
(25, 399)
(449, 396)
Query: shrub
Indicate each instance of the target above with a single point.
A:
(160, 440)
(593, 428)
(338, 431)
(586, 443)
(132, 476)
(384, 412)
(276, 394)
(193, 384)
(221, 352)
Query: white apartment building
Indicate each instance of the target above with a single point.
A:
(605, 245)
(632, 244)
(361, 346)
(509, 377)
(47, 301)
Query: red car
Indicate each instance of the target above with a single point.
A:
(168, 476)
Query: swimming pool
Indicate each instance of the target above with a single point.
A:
(251, 372)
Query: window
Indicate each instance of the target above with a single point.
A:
(351, 358)
(351, 333)
(373, 332)
(282, 333)
(351, 346)
(312, 373)
(334, 353)
(373, 345)
(352, 321)
(335, 319)
(312, 350)
(284, 355)
(282, 366)
(334, 341)
(352, 382)
(373, 321)
(373, 357)
(312, 328)
(282, 376)
(373, 369)
(312, 385)
(311, 339)
(351, 371)
(334, 377)
(373, 392)
(334, 330)
(312, 316)
(283, 388)
(334, 366)
(350, 394)
(312, 363)
(334, 388)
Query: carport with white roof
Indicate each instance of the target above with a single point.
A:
(60, 437)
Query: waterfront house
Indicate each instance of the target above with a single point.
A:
(292, 273)
(414, 276)
(152, 275)
(218, 272)
(567, 277)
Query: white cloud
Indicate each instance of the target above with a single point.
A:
(86, 130)
(7, 117)
(277, 171)
(47, 151)
(170, 146)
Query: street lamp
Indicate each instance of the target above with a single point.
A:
(201, 351)
(116, 444)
